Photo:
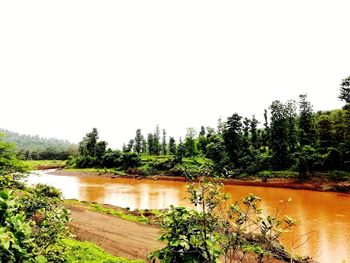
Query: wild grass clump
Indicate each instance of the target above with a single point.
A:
(81, 252)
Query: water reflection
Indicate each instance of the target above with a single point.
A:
(324, 217)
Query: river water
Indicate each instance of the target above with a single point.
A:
(324, 217)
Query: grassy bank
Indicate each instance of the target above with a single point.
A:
(138, 215)
(80, 252)
(190, 167)
(43, 164)
(153, 165)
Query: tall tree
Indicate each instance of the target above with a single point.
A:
(324, 129)
(138, 141)
(345, 96)
(292, 135)
(220, 126)
(216, 150)
(172, 146)
(305, 123)
(246, 139)
(144, 145)
(164, 144)
(233, 138)
(100, 149)
(88, 143)
(345, 90)
(339, 125)
(265, 136)
(190, 143)
(202, 141)
(254, 133)
(181, 150)
(279, 140)
(130, 145)
(156, 141)
(150, 144)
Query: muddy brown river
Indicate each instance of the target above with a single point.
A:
(324, 217)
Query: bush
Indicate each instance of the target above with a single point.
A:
(43, 190)
(111, 159)
(32, 223)
(85, 162)
(184, 234)
(177, 170)
(333, 159)
(130, 160)
(29, 234)
(16, 242)
(212, 232)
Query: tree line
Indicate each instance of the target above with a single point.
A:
(29, 147)
(292, 136)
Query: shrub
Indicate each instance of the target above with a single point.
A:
(130, 160)
(16, 242)
(44, 190)
(85, 162)
(111, 159)
(333, 159)
(211, 232)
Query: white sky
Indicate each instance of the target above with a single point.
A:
(68, 66)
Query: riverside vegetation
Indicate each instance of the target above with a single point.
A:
(33, 221)
(217, 230)
(294, 141)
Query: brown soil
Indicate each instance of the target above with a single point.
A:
(315, 184)
(117, 236)
(49, 166)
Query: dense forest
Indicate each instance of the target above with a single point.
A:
(38, 148)
(292, 137)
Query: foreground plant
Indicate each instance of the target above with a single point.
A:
(215, 229)
(32, 220)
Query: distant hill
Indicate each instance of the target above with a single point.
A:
(37, 148)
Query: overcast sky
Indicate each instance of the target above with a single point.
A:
(68, 66)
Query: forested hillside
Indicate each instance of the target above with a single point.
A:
(34, 147)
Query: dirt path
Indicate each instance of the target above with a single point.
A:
(117, 236)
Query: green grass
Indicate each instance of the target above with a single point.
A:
(110, 211)
(99, 171)
(278, 174)
(94, 170)
(149, 158)
(36, 164)
(118, 213)
(79, 251)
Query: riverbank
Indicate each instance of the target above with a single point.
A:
(120, 237)
(315, 184)
(117, 236)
